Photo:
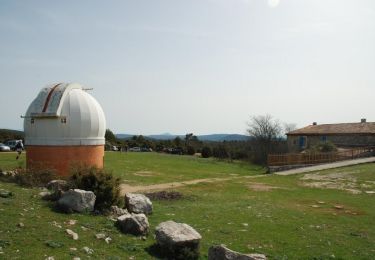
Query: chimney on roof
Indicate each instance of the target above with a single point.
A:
(315, 123)
(363, 120)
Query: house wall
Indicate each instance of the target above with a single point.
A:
(338, 140)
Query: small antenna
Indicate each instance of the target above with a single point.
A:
(85, 89)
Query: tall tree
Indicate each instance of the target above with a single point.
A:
(110, 136)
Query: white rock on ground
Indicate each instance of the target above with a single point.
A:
(135, 224)
(77, 200)
(71, 233)
(173, 236)
(138, 203)
(87, 250)
(223, 253)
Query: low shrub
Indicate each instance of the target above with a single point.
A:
(104, 185)
(33, 177)
(190, 150)
(206, 152)
(323, 147)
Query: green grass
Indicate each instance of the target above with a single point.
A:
(153, 168)
(280, 222)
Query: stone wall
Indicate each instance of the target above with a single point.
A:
(338, 140)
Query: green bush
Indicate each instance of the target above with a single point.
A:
(190, 150)
(220, 152)
(206, 152)
(323, 147)
(104, 185)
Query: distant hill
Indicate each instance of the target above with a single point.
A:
(6, 134)
(211, 137)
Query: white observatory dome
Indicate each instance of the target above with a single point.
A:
(64, 115)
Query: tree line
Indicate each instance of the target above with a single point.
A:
(266, 135)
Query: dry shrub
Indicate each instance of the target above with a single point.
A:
(34, 177)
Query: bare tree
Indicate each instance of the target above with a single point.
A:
(264, 130)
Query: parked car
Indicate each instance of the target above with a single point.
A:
(135, 149)
(12, 144)
(4, 148)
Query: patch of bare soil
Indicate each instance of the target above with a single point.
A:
(164, 195)
(256, 186)
(336, 180)
(124, 188)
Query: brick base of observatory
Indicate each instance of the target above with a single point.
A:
(62, 158)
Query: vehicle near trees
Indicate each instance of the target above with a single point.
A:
(4, 148)
(12, 144)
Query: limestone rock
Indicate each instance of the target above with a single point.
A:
(77, 200)
(71, 233)
(87, 250)
(135, 224)
(116, 211)
(138, 203)
(223, 253)
(176, 238)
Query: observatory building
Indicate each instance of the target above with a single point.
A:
(64, 126)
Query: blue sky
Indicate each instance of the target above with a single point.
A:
(201, 66)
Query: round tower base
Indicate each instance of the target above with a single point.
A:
(63, 158)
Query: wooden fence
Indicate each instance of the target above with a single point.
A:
(317, 158)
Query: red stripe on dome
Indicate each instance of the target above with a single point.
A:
(49, 97)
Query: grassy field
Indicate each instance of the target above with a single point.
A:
(324, 215)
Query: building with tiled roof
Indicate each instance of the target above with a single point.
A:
(342, 135)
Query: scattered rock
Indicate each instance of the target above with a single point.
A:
(21, 225)
(71, 222)
(54, 223)
(177, 238)
(88, 250)
(135, 224)
(50, 258)
(223, 253)
(138, 203)
(10, 174)
(71, 233)
(116, 211)
(76, 258)
(370, 192)
(73, 249)
(315, 206)
(321, 202)
(100, 236)
(84, 228)
(5, 193)
(339, 207)
(108, 240)
(77, 200)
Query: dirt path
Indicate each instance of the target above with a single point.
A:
(327, 166)
(164, 186)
